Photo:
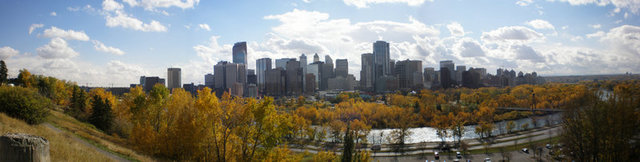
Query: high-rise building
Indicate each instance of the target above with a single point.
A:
(240, 53)
(448, 64)
(366, 72)
(303, 65)
(262, 65)
(382, 58)
(147, 82)
(174, 77)
(328, 60)
(252, 78)
(326, 72)
(294, 78)
(316, 58)
(409, 74)
(459, 70)
(315, 68)
(275, 82)
(445, 78)
(429, 76)
(310, 84)
(282, 63)
(342, 68)
(227, 74)
(209, 80)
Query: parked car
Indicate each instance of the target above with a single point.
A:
(437, 155)
(525, 150)
(458, 155)
(549, 146)
(487, 159)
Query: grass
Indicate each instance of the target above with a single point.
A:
(62, 146)
(96, 137)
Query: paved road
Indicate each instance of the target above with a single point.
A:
(108, 154)
(514, 156)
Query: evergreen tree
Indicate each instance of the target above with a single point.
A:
(347, 154)
(3, 72)
(102, 117)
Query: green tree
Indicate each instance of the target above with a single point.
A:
(102, 117)
(25, 104)
(25, 79)
(347, 151)
(3, 72)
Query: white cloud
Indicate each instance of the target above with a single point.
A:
(455, 29)
(468, 47)
(596, 34)
(540, 24)
(153, 4)
(624, 39)
(111, 5)
(205, 27)
(630, 5)
(515, 34)
(55, 32)
(53, 14)
(103, 48)
(306, 1)
(57, 48)
(366, 3)
(34, 27)
(126, 21)
(7, 52)
(595, 26)
(524, 52)
(524, 2)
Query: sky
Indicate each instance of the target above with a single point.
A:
(114, 42)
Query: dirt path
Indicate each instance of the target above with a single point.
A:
(108, 154)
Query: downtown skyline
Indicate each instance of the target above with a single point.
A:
(106, 43)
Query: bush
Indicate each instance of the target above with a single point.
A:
(24, 103)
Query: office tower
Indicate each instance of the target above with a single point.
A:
(252, 78)
(174, 77)
(328, 60)
(459, 70)
(226, 76)
(342, 68)
(282, 63)
(275, 82)
(482, 72)
(429, 75)
(294, 78)
(209, 80)
(262, 65)
(342, 83)
(471, 78)
(310, 84)
(316, 58)
(381, 60)
(191, 88)
(366, 72)
(445, 78)
(409, 74)
(315, 68)
(240, 53)
(326, 72)
(448, 64)
(303, 65)
(147, 83)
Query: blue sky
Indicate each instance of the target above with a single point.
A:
(113, 42)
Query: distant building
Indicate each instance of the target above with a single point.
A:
(381, 59)
(471, 78)
(240, 53)
(226, 74)
(366, 72)
(303, 65)
(459, 70)
(315, 68)
(275, 82)
(326, 72)
(251, 77)
(445, 78)
(342, 83)
(209, 80)
(147, 83)
(191, 88)
(342, 68)
(316, 58)
(386, 84)
(429, 77)
(310, 84)
(294, 78)
(174, 77)
(447, 64)
(409, 74)
(262, 65)
(282, 63)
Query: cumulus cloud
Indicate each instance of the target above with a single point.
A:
(540, 24)
(524, 2)
(111, 5)
(53, 14)
(516, 34)
(108, 49)
(126, 21)
(153, 4)
(7, 52)
(455, 29)
(55, 32)
(34, 27)
(205, 27)
(366, 3)
(596, 34)
(624, 39)
(468, 47)
(57, 48)
(524, 52)
(631, 5)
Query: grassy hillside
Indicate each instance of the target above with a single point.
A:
(61, 145)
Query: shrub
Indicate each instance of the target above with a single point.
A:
(24, 103)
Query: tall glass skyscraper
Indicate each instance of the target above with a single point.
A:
(240, 53)
(381, 59)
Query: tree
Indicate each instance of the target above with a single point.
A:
(102, 117)
(25, 79)
(510, 126)
(24, 103)
(347, 151)
(3, 72)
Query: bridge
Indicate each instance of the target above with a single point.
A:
(529, 109)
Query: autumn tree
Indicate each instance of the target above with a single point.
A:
(25, 79)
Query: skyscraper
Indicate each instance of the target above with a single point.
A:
(316, 58)
(409, 74)
(282, 62)
(230, 76)
(459, 70)
(262, 65)
(303, 65)
(174, 77)
(240, 53)
(366, 72)
(294, 78)
(209, 80)
(448, 64)
(381, 60)
(342, 68)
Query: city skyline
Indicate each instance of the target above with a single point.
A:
(108, 42)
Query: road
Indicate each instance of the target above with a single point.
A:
(108, 154)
